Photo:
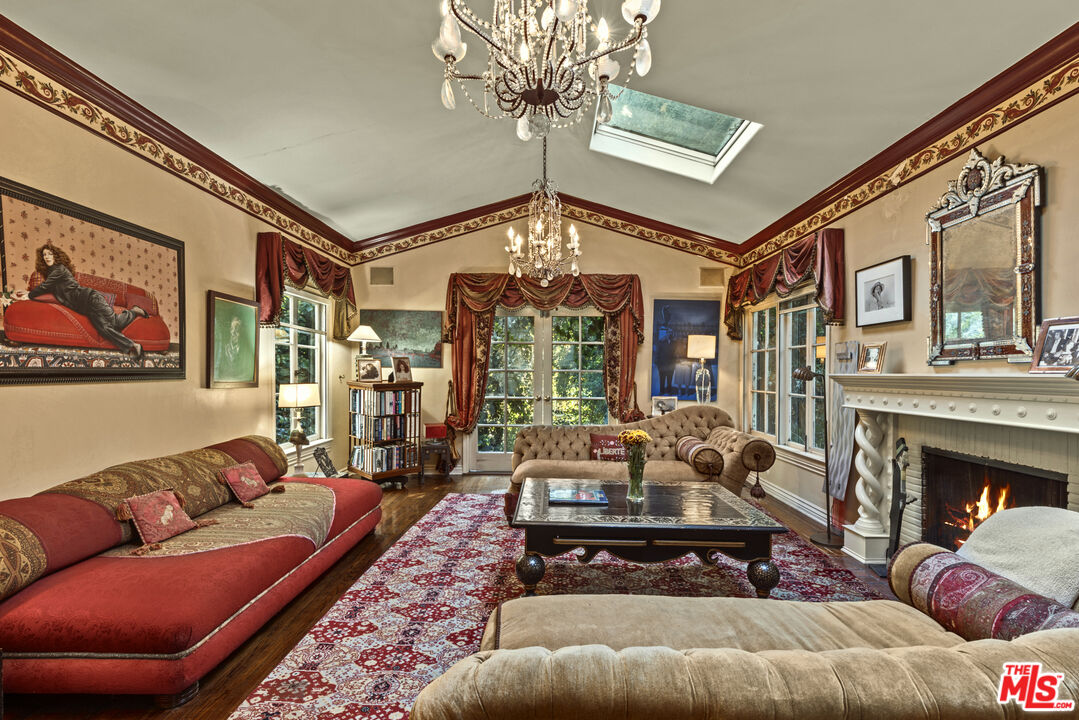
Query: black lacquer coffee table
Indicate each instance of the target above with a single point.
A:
(674, 519)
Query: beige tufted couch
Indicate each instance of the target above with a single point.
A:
(616, 657)
(563, 452)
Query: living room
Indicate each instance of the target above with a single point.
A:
(352, 220)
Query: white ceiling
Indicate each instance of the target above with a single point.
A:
(336, 102)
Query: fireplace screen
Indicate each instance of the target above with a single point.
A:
(960, 491)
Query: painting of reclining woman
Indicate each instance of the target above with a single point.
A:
(85, 296)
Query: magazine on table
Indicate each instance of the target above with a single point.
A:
(569, 496)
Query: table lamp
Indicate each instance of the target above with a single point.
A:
(363, 334)
(294, 396)
(704, 348)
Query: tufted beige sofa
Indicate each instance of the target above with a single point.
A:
(563, 452)
(616, 657)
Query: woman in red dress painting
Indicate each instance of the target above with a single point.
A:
(55, 266)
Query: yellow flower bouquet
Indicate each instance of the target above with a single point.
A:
(634, 442)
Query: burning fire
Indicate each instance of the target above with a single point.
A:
(974, 513)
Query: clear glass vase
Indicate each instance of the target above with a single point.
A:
(635, 462)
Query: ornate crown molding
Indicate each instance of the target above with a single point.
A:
(37, 72)
(1047, 76)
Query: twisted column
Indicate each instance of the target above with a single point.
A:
(869, 463)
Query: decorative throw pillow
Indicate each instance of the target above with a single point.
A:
(704, 458)
(606, 447)
(245, 482)
(978, 604)
(158, 515)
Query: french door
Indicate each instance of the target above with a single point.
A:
(546, 369)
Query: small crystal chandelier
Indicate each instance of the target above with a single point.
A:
(543, 260)
(540, 69)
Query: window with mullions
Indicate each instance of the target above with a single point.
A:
(299, 357)
(577, 370)
(785, 337)
(509, 399)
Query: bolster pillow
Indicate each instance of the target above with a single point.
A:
(969, 600)
(705, 459)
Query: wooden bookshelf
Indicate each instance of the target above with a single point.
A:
(385, 429)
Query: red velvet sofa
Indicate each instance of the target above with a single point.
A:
(79, 613)
(43, 321)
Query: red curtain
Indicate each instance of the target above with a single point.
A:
(818, 257)
(278, 261)
(471, 301)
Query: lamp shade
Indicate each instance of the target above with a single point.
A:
(364, 333)
(298, 395)
(701, 346)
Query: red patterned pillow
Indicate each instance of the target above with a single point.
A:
(158, 515)
(977, 604)
(245, 482)
(606, 447)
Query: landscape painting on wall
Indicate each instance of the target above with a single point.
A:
(673, 321)
(416, 334)
(85, 297)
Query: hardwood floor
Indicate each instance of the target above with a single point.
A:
(226, 686)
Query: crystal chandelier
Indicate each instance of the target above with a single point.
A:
(540, 68)
(541, 257)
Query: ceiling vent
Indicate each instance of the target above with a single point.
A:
(381, 276)
(713, 277)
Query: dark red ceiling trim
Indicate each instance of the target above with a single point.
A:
(464, 216)
(1029, 70)
(37, 53)
(649, 223)
(438, 223)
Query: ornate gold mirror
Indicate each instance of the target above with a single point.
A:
(983, 264)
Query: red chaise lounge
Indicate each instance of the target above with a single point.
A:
(43, 321)
(80, 614)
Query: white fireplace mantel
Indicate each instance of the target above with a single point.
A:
(1043, 402)
(1037, 402)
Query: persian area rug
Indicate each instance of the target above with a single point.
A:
(423, 605)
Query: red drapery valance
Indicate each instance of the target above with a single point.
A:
(471, 301)
(818, 257)
(278, 261)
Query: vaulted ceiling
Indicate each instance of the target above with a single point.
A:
(336, 102)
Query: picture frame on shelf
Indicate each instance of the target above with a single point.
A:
(663, 404)
(232, 341)
(402, 368)
(369, 369)
(1057, 349)
(882, 292)
(871, 357)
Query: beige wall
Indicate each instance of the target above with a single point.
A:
(895, 225)
(53, 433)
(421, 277)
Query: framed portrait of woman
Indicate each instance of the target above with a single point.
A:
(232, 341)
(882, 292)
(402, 368)
(84, 296)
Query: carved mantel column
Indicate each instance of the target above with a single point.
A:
(869, 463)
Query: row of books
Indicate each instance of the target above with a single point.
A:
(384, 457)
(374, 428)
(384, 402)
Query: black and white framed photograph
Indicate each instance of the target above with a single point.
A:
(663, 404)
(402, 368)
(369, 369)
(1057, 350)
(882, 292)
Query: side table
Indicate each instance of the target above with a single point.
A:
(439, 448)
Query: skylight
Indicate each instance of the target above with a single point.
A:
(670, 135)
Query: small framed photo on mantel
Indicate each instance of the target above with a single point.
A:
(871, 357)
(882, 292)
(1057, 350)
